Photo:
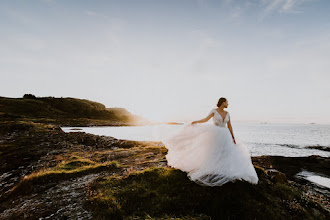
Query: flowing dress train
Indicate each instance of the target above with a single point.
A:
(208, 153)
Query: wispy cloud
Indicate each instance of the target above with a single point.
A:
(283, 6)
(270, 7)
(262, 8)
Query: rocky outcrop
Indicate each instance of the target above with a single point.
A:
(293, 165)
(276, 176)
(78, 175)
(324, 148)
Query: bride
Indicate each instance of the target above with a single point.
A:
(208, 152)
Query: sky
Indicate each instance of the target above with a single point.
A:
(171, 60)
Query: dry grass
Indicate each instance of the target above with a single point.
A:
(64, 170)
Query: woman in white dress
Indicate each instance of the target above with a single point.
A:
(208, 152)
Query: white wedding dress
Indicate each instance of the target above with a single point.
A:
(208, 154)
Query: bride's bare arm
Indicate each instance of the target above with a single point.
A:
(231, 130)
(204, 119)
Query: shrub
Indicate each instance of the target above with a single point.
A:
(29, 96)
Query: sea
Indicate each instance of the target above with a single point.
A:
(289, 140)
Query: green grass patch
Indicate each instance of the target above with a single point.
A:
(160, 192)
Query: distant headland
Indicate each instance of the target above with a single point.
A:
(67, 112)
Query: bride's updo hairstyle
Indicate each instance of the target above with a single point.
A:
(221, 100)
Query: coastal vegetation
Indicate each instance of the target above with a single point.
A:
(66, 111)
(47, 173)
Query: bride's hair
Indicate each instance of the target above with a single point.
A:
(221, 100)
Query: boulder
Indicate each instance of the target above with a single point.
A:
(276, 176)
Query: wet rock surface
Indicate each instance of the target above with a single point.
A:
(62, 201)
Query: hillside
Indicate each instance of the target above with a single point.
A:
(66, 111)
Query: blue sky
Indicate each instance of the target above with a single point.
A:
(173, 60)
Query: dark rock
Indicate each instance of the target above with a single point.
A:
(323, 148)
(276, 176)
(261, 172)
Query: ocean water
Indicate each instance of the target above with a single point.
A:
(290, 140)
(315, 178)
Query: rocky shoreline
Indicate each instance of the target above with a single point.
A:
(46, 173)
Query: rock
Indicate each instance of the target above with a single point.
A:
(261, 172)
(317, 147)
(276, 176)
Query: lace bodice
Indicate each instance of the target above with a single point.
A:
(217, 118)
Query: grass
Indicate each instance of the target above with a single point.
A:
(166, 192)
(64, 170)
